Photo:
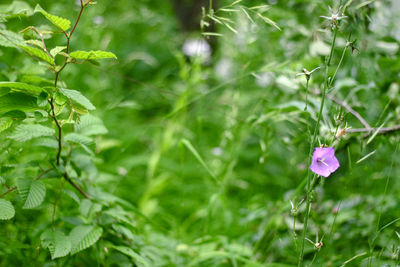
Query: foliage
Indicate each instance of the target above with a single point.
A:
(150, 157)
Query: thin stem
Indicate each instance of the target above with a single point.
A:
(77, 187)
(309, 189)
(53, 216)
(76, 23)
(338, 66)
(59, 127)
(382, 130)
(352, 111)
(307, 84)
(41, 38)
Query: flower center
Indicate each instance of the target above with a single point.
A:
(322, 160)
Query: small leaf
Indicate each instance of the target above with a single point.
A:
(56, 50)
(7, 210)
(32, 192)
(62, 23)
(36, 52)
(22, 87)
(89, 55)
(365, 157)
(196, 154)
(5, 123)
(26, 132)
(83, 236)
(78, 98)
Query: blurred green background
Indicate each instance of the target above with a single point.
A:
(241, 107)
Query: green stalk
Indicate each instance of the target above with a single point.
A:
(309, 188)
(338, 66)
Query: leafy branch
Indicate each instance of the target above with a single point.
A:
(53, 113)
(10, 189)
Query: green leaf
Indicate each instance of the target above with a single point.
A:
(57, 242)
(141, 261)
(196, 154)
(78, 98)
(7, 210)
(17, 101)
(22, 87)
(62, 23)
(26, 132)
(83, 236)
(78, 138)
(90, 125)
(17, 8)
(32, 192)
(36, 52)
(10, 39)
(90, 55)
(5, 123)
(35, 43)
(56, 50)
(15, 115)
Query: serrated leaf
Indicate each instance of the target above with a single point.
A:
(90, 125)
(22, 87)
(57, 242)
(78, 98)
(26, 132)
(17, 101)
(32, 192)
(62, 23)
(7, 210)
(78, 138)
(83, 236)
(10, 39)
(56, 50)
(5, 123)
(90, 55)
(36, 52)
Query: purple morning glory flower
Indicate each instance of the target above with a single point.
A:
(324, 161)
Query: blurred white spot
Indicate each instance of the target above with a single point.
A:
(217, 151)
(98, 20)
(223, 69)
(265, 79)
(122, 171)
(196, 47)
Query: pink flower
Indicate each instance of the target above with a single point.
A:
(324, 161)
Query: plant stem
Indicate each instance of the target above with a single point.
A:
(76, 23)
(338, 66)
(309, 188)
(59, 128)
(77, 187)
(53, 114)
